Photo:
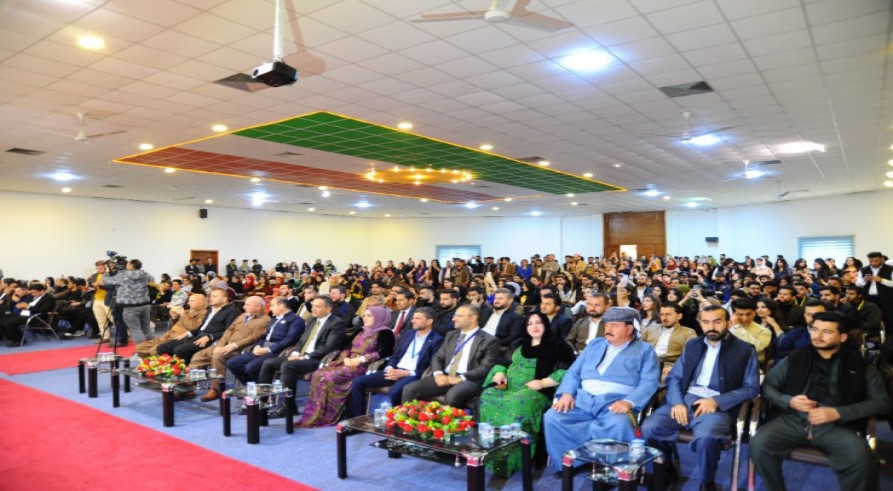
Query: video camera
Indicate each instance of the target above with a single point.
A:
(115, 262)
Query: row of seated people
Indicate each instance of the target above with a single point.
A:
(593, 398)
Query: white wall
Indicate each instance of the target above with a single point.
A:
(774, 228)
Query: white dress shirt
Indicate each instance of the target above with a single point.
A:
(410, 359)
(493, 322)
(610, 354)
(710, 357)
(663, 342)
(312, 346)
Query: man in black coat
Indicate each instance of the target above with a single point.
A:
(220, 315)
(39, 303)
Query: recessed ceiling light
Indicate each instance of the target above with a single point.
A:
(651, 193)
(326, 194)
(146, 146)
(507, 199)
(66, 190)
(692, 204)
(63, 176)
(574, 203)
(570, 195)
(209, 201)
(588, 175)
(889, 184)
(387, 215)
(351, 212)
(311, 209)
(495, 208)
(586, 61)
(219, 128)
(617, 165)
(665, 197)
(753, 174)
(362, 204)
(91, 42)
(800, 147)
(471, 205)
(258, 198)
(544, 163)
(404, 125)
(890, 174)
(486, 147)
(704, 140)
(536, 213)
(170, 170)
(890, 162)
(323, 188)
(255, 179)
(699, 198)
(423, 200)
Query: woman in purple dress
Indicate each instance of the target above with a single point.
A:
(330, 385)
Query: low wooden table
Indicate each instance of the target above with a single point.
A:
(465, 449)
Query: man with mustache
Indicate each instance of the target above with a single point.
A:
(716, 373)
(614, 375)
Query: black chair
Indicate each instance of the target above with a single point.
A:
(42, 323)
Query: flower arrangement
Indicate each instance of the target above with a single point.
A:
(163, 366)
(429, 419)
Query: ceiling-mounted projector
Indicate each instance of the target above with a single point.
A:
(275, 74)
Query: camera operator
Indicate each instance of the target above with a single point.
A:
(132, 296)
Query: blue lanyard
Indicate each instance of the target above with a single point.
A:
(412, 352)
(459, 347)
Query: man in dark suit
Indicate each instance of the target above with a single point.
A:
(40, 303)
(220, 315)
(285, 330)
(502, 321)
(460, 365)
(324, 334)
(559, 324)
(877, 287)
(449, 299)
(591, 326)
(341, 304)
(792, 313)
(409, 361)
(287, 292)
(402, 317)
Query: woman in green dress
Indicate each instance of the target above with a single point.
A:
(522, 391)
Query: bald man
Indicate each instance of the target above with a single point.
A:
(187, 320)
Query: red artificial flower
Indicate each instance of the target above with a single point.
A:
(445, 420)
(423, 417)
(176, 370)
(470, 423)
(463, 425)
(438, 434)
(423, 428)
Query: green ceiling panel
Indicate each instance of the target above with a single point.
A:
(347, 136)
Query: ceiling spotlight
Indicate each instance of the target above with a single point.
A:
(495, 208)
(570, 195)
(326, 194)
(311, 209)
(665, 197)
(471, 205)
(351, 212)
(889, 184)
(91, 42)
(404, 125)
(219, 128)
(255, 179)
(651, 193)
(890, 174)
(423, 200)
(890, 162)
(388, 215)
(692, 204)
(544, 163)
(536, 213)
(146, 146)
(507, 200)
(66, 190)
(704, 140)
(486, 147)
(170, 170)
(753, 174)
(574, 203)
(616, 165)
(323, 188)
(209, 201)
(362, 204)
(588, 175)
(800, 147)
(63, 176)
(586, 61)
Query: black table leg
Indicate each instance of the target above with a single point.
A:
(127, 377)
(221, 389)
(567, 473)
(526, 466)
(82, 377)
(116, 390)
(92, 373)
(262, 419)
(253, 420)
(226, 409)
(289, 412)
(167, 403)
(475, 471)
(341, 434)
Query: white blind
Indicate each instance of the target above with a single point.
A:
(448, 252)
(836, 247)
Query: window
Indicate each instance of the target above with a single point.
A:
(448, 252)
(838, 247)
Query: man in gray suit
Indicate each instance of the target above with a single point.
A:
(590, 326)
(460, 365)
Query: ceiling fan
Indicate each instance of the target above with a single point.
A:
(687, 134)
(781, 194)
(82, 135)
(511, 12)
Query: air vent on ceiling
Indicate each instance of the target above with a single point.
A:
(185, 198)
(532, 160)
(304, 186)
(690, 88)
(241, 81)
(765, 162)
(25, 151)
(289, 154)
(113, 186)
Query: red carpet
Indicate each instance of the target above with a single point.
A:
(52, 359)
(50, 443)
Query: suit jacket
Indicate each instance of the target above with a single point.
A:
(885, 293)
(345, 311)
(426, 352)
(579, 333)
(561, 326)
(407, 320)
(189, 321)
(244, 334)
(286, 332)
(331, 337)
(678, 338)
(44, 305)
(443, 324)
(294, 304)
(509, 329)
(218, 324)
(483, 355)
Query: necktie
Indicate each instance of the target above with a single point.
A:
(399, 325)
(311, 337)
(456, 359)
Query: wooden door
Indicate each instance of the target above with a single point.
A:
(203, 255)
(646, 230)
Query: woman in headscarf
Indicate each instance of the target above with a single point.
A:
(523, 390)
(330, 385)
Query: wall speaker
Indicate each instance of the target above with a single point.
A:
(203, 213)
(712, 240)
